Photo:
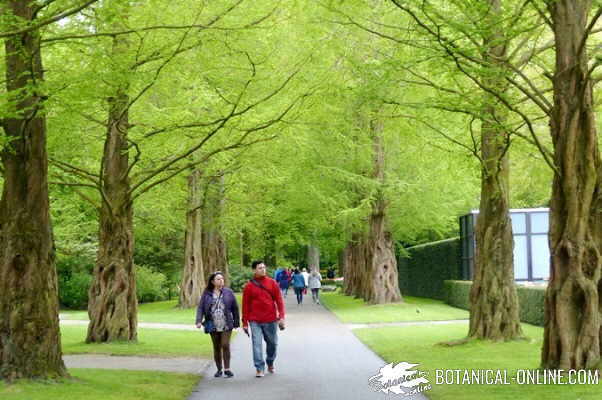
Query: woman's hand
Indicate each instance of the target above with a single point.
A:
(199, 325)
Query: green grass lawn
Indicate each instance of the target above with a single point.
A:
(151, 342)
(166, 312)
(98, 384)
(418, 345)
(350, 310)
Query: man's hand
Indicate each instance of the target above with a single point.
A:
(281, 324)
(199, 325)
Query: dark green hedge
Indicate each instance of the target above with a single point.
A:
(425, 268)
(530, 299)
(457, 293)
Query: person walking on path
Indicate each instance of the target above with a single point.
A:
(306, 278)
(298, 286)
(263, 311)
(315, 283)
(218, 314)
(283, 281)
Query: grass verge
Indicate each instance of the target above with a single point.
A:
(166, 312)
(418, 345)
(98, 384)
(351, 310)
(151, 342)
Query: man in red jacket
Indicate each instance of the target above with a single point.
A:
(263, 310)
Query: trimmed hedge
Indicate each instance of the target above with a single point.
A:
(425, 268)
(530, 299)
(457, 293)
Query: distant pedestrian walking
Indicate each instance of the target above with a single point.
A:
(263, 311)
(298, 286)
(284, 281)
(315, 283)
(306, 278)
(218, 314)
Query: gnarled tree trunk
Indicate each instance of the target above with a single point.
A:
(193, 275)
(112, 304)
(493, 298)
(370, 263)
(382, 278)
(213, 243)
(572, 303)
(30, 345)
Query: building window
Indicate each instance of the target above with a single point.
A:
(531, 248)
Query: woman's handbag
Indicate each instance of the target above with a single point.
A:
(208, 326)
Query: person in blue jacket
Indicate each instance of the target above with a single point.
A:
(283, 282)
(298, 286)
(218, 313)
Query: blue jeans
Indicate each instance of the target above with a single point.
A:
(259, 332)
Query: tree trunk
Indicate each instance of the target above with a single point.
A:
(244, 248)
(193, 275)
(313, 258)
(30, 345)
(113, 304)
(270, 248)
(493, 298)
(572, 303)
(213, 243)
(354, 262)
(341, 266)
(381, 282)
(370, 263)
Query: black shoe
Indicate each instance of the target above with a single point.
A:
(228, 374)
(218, 374)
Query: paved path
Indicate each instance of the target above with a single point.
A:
(408, 323)
(183, 365)
(318, 358)
(153, 325)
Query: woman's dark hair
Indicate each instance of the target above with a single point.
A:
(210, 278)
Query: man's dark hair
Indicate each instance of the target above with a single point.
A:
(255, 263)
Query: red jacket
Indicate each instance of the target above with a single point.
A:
(260, 306)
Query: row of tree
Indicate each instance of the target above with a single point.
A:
(276, 128)
(511, 67)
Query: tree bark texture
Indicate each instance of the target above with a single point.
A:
(270, 248)
(494, 310)
(193, 275)
(572, 303)
(353, 265)
(313, 258)
(113, 304)
(30, 345)
(370, 262)
(213, 243)
(244, 248)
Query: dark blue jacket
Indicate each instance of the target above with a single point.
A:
(203, 311)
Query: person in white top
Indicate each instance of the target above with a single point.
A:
(315, 283)
(306, 278)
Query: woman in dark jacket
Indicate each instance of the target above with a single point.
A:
(218, 312)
